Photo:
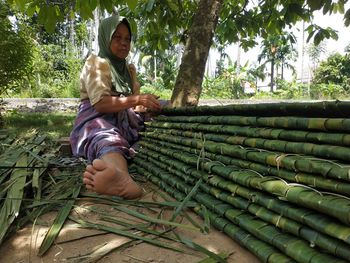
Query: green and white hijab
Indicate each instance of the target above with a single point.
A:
(121, 79)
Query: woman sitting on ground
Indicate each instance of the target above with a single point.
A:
(107, 123)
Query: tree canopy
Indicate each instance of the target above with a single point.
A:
(14, 62)
(163, 20)
(162, 24)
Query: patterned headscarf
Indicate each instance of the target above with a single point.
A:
(121, 79)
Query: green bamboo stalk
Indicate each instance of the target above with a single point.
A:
(315, 220)
(290, 122)
(341, 139)
(328, 109)
(323, 151)
(258, 228)
(295, 163)
(261, 249)
(332, 245)
(317, 182)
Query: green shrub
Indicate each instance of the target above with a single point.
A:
(157, 88)
(16, 53)
(327, 91)
(334, 70)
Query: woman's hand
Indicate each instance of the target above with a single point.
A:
(135, 84)
(149, 101)
(115, 104)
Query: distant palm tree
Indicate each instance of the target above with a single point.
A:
(278, 50)
(256, 72)
(286, 52)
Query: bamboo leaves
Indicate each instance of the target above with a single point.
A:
(11, 206)
(35, 182)
(58, 223)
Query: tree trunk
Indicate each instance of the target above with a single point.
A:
(71, 31)
(188, 85)
(272, 74)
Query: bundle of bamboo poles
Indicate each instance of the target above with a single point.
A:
(275, 176)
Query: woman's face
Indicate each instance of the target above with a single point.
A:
(120, 43)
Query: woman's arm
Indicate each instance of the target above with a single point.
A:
(110, 104)
(135, 84)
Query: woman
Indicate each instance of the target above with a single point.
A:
(107, 124)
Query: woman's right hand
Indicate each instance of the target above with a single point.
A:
(149, 101)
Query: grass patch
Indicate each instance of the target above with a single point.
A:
(55, 125)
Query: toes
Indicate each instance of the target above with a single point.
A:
(88, 178)
(88, 184)
(89, 168)
(99, 165)
(89, 187)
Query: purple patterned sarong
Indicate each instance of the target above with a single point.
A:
(95, 134)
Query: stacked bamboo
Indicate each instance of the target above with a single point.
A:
(274, 176)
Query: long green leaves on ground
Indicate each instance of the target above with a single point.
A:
(36, 179)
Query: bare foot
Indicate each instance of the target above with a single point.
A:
(103, 179)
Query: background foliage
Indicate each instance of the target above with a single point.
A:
(15, 62)
(53, 39)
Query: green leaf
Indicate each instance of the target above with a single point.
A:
(341, 7)
(86, 10)
(49, 16)
(149, 6)
(314, 4)
(123, 233)
(347, 18)
(310, 35)
(58, 223)
(21, 4)
(133, 26)
(205, 214)
(93, 4)
(11, 206)
(106, 5)
(188, 198)
(327, 7)
(31, 9)
(132, 4)
(172, 5)
(193, 245)
(151, 219)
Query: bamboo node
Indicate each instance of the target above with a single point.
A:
(328, 161)
(338, 195)
(278, 221)
(305, 186)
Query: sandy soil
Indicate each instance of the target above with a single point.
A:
(73, 242)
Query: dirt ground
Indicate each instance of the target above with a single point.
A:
(73, 243)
